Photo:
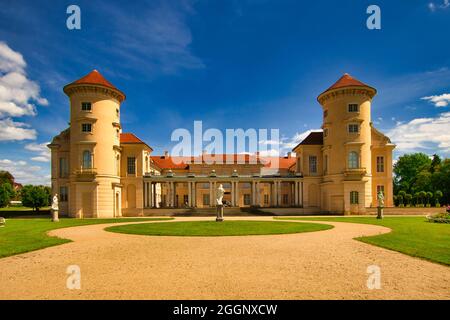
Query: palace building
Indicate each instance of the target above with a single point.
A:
(100, 171)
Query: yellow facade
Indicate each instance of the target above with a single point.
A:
(99, 171)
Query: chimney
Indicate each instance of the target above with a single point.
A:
(289, 155)
(166, 154)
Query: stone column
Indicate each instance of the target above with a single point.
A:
(150, 194)
(279, 193)
(258, 193)
(174, 198)
(190, 194)
(296, 193)
(236, 197)
(155, 198)
(232, 194)
(167, 194)
(194, 194)
(145, 194)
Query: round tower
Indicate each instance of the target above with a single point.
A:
(94, 146)
(347, 139)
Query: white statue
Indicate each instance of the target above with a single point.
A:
(55, 206)
(380, 198)
(219, 195)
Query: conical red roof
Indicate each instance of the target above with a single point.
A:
(96, 78)
(347, 81)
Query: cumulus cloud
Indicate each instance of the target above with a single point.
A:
(43, 152)
(11, 130)
(423, 134)
(25, 173)
(17, 93)
(439, 100)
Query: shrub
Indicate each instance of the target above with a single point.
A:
(437, 195)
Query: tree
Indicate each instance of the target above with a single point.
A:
(35, 197)
(401, 196)
(435, 162)
(437, 196)
(422, 196)
(429, 195)
(407, 168)
(4, 195)
(408, 198)
(5, 176)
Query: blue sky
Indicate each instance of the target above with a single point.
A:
(232, 64)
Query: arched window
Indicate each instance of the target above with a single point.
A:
(353, 161)
(87, 159)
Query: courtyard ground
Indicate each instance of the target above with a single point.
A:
(327, 264)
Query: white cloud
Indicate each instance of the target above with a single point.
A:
(423, 134)
(11, 130)
(10, 60)
(439, 100)
(18, 94)
(43, 151)
(25, 173)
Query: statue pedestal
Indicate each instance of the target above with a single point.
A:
(55, 215)
(219, 213)
(379, 212)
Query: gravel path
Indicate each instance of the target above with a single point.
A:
(319, 265)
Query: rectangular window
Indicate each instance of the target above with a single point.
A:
(380, 164)
(353, 128)
(247, 199)
(285, 199)
(353, 107)
(354, 197)
(185, 199)
(86, 106)
(206, 199)
(131, 165)
(380, 188)
(266, 199)
(86, 127)
(63, 168)
(63, 194)
(312, 164)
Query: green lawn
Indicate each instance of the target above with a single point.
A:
(413, 236)
(215, 229)
(23, 235)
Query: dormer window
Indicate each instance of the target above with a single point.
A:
(353, 107)
(86, 106)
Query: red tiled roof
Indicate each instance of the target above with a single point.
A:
(347, 81)
(171, 162)
(184, 162)
(96, 78)
(130, 138)
(314, 138)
